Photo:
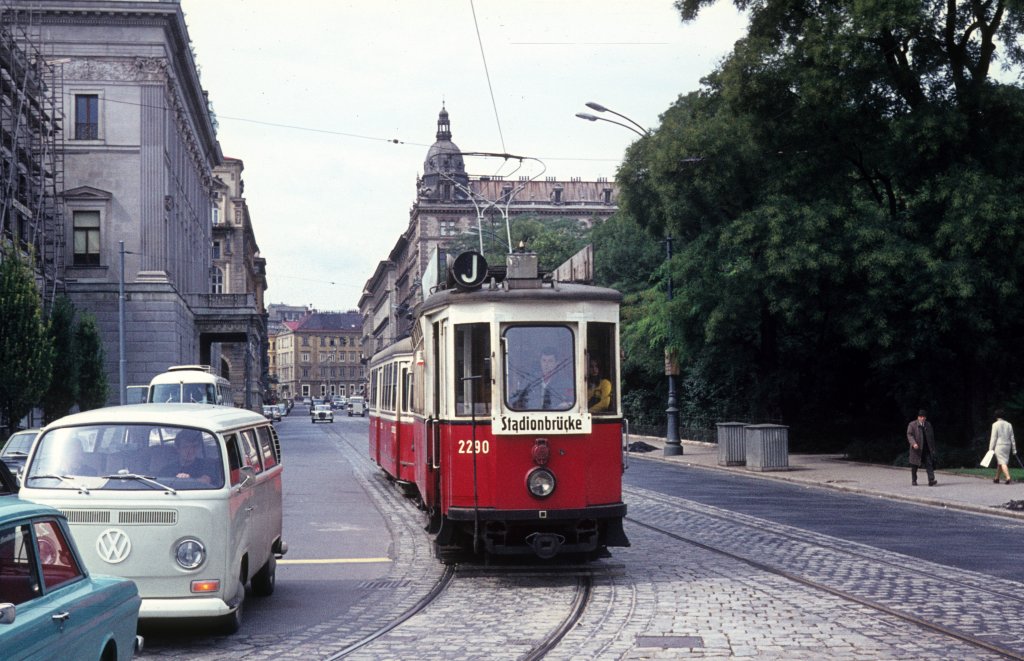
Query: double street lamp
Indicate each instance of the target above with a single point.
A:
(673, 445)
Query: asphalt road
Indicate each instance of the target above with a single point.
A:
(976, 542)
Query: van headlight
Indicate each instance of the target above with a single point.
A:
(190, 553)
(541, 482)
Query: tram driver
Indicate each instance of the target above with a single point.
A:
(551, 389)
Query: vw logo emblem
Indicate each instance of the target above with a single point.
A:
(113, 546)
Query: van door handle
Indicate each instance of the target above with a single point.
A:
(62, 617)
(250, 508)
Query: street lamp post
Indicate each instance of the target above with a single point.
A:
(673, 446)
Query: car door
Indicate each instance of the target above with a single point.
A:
(43, 577)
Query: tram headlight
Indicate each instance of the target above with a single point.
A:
(541, 482)
(190, 553)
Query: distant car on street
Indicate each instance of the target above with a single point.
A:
(357, 406)
(271, 412)
(50, 605)
(15, 449)
(321, 413)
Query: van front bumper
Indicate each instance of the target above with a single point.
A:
(185, 607)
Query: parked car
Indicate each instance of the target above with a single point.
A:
(356, 406)
(15, 450)
(271, 412)
(185, 500)
(282, 409)
(321, 413)
(52, 606)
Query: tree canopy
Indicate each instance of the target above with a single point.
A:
(25, 348)
(846, 194)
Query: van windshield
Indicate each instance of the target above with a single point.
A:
(195, 393)
(126, 457)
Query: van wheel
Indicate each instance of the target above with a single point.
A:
(232, 622)
(263, 581)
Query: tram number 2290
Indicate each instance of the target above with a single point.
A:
(474, 447)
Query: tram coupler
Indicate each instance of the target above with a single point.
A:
(545, 544)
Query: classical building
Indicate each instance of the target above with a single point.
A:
(450, 202)
(320, 356)
(140, 148)
(238, 280)
(277, 315)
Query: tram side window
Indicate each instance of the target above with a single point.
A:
(371, 396)
(472, 369)
(539, 368)
(602, 369)
(407, 389)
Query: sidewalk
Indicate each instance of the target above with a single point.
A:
(832, 472)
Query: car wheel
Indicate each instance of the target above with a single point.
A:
(263, 581)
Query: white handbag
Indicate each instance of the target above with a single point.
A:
(986, 461)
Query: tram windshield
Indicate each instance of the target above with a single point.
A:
(540, 374)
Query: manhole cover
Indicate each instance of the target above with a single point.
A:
(669, 642)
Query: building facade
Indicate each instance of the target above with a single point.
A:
(278, 314)
(137, 188)
(238, 278)
(449, 203)
(320, 356)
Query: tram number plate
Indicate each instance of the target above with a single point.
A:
(474, 447)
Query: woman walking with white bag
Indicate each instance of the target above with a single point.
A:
(1002, 444)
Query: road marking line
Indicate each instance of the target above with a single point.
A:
(333, 561)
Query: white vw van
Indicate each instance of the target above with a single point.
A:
(184, 499)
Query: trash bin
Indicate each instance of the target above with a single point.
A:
(767, 447)
(732, 449)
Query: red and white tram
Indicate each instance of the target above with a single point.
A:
(502, 413)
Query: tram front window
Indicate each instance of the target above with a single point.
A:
(539, 373)
(472, 369)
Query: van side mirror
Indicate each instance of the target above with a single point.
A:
(7, 613)
(248, 476)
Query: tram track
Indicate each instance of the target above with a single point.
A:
(439, 588)
(979, 592)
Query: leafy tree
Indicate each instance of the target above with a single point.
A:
(25, 349)
(92, 385)
(553, 239)
(626, 257)
(847, 192)
(63, 391)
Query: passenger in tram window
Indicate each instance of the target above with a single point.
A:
(599, 389)
(552, 388)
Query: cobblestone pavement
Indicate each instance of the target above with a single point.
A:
(671, 599)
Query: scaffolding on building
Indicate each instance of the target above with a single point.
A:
(31, 149)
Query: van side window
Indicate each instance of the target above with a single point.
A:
(250, 452)
(267, 449)
(234, 459)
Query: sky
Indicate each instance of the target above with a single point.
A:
(333, 104)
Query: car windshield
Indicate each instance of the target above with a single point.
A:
(126, 457)
(322, 407)
(18, 444)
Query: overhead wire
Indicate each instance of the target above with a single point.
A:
(487, 72)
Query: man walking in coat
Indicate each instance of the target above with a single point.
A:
(921, 438)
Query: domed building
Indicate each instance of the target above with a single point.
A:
(447, 199)
(444, 170)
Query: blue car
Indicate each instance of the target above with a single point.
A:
(50, 606)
